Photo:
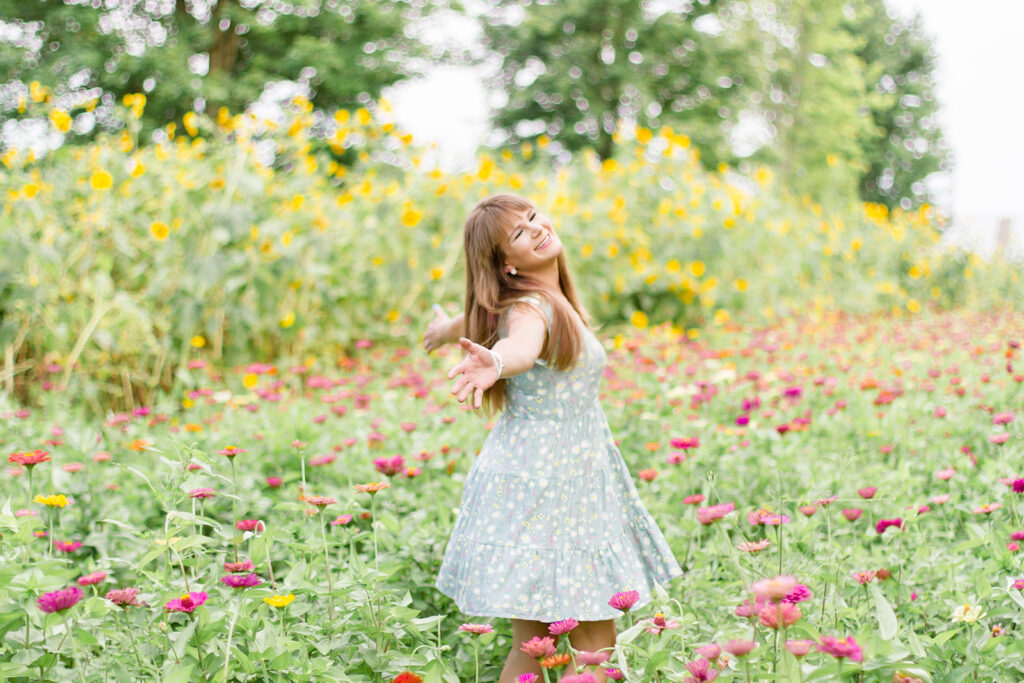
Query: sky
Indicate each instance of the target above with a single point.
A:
(978, 74)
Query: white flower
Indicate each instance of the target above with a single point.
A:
(967, 614)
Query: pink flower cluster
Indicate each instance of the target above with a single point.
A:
(713, 513)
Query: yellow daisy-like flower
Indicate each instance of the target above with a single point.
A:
(288, 320)
(159, 230)
(639, 320)
(101, 180)
(198, 341)
(54, 501)
(410, 217)
(250, 380)
(61, 120)
(191, 122)
(279, 600)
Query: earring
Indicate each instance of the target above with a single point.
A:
(513, 271)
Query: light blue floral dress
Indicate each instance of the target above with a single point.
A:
(550, 525)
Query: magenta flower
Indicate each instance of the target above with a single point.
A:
(658, 623)
(325, 459)
(624, 601)
(1018, 485)
(714, 513)
(592, 658)
(784, 614)
(701, 670)
(884, 524)
(241, 581)
(867, 492)
(90, 579)
(201, 493)
(710, 652)
(559, 628)
(479, 629)
(238, 567)
(125, 597)
(67, 546)
(751, 608)
(187, 602)
(684, 444)
(739, 648)
(389, 466)
(342, 520)
(578, 678)
(58, 601)
(249, 525)
(799, 648)
(775, 589)
(527, 678)
(614, 674)
(799, 594)
(538, 648)
(852, 514)
(274, 482)
(231, 451)
(841, 648)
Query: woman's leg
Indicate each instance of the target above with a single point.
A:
(518, 663)
(593, 636)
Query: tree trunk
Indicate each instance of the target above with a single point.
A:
(224, 50)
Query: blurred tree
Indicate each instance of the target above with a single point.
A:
(848, 101)
(189, 54)
(573, 68)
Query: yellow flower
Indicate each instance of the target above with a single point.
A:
(250, 380)
(61, 120)
(697, 268)
(101, 180)
(436, 273)
(639, 320)
(410, 217)
(279, 600)
(198, 341)
(913, 305)
(288, 320)
(159, 230)
(54, 501)
(191, 122)
(165, 541)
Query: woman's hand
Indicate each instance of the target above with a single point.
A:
(437, 330)
(478, 369)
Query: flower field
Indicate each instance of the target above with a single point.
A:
(842, 491)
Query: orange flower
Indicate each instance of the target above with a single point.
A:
(560, 659)
(373, 487)
(140, 445)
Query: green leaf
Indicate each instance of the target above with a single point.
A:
(887, 625)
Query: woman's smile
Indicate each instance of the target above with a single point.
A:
(547, 239)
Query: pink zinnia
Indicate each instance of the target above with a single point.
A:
(750, 608)
(538, 648)
(739, 648)
(868, 492)
(770, 615)
(592, 658)
(249, 525)
(238, 567)
(67, 546)
(90, 579)
(648, 475)
(701, 670)
(683, 444)
(237, 581)
(841, 648)
(987, 508)
(852, 514)
(807, 510)
(274, 482)
(614, 674)
(201, 493)
(578, 678)
(946, 474)
(941, 499)
(864, 577)
(325, 459)
(624, 601)
(999, 438)
(714, 513)
(774, 589)
(124, 597)
(559, 628)
(321, 501)
(527, 678)
(342, 520)
(710, 652)
(479, 629)
(799, 594)
(799, 648)
(753, 546)
(389, 466)
(186, 603)
(58, 601)
(658, 623)
(231, 451)
(694, 499)
(884, 524)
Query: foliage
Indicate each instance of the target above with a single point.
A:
(121, 258)
(798, 417)
(345, 51)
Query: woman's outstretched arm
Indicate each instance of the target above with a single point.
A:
(442, 329)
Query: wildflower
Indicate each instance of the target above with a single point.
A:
(774, 589)
(238, 567)
(658, 624)
(52, 501)
(884, 524)
(201, 493)
(784, 614)
(29, 459)
(710, 652)
(101, 456)
(695, 499)
(739, 648)
(1018, 485)
(852, 514)
(753, 546)
(559, 628)
(701, 670)
(841, 648)
(987, 508)
(342, 520)
(941, 499)
(767, 518)
(624, 601)
(231, 451)
(967, 614)
(684, 444)
(236, 581)
(998, 630)
(799, 648)
(373, 487)
(882, 574)
(67, 546)
(477, 628)
(868, 492)
(325, 459)
(187, 602)
(407, 677)
(900, 677)
(1019, 584)
(751, 608)
(614, 674)
(274, 482)
(553, 660)
(279, 600)
(124, 597)
(714, 513)
(592, 658)
(91, 579)
(864, 577)
(946, 474)
(999, 438)
(538, 647)
(321, 501)
(527, 678)
(578, 678)
(798, 594)
(58, 601)
(825, 502)
(807, 510)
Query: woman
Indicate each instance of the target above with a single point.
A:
(550, 525)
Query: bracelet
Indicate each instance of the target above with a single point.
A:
(498, 362)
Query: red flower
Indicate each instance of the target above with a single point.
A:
(407, 677)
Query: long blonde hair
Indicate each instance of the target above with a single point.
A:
(491, 292)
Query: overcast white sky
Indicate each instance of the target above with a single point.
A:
(981, 58)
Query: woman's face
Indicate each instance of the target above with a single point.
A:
(530, 243)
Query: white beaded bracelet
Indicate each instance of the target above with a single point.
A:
(498, 361)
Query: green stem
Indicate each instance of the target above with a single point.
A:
(28, 620)
(327, 561)
(199, 654)
(476, 657)
(131, 635)
(231, 632)
(234, 499)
